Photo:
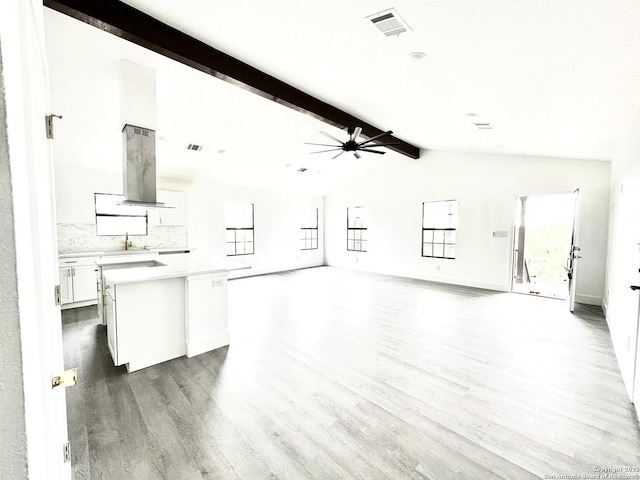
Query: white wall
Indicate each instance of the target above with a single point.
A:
(621, 303)
(75, 187)
(486, 187)
(12, 410)
(277, 226)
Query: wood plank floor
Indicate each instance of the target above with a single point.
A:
(336, 374)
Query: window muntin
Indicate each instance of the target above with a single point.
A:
(239, 219)
(439, 229)
(309, 229)
(114, 220)
(357, 236)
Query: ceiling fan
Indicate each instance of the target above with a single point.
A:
(352, 144)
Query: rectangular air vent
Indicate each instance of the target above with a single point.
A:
(193, 146)
(303, 169)
(389, 22)
(140, 131)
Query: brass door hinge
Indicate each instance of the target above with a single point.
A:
(66, 379)
(57, 295)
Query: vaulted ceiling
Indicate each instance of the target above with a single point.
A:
(550, 78)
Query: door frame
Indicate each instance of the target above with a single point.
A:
(517, 220)
(572, 268)
(26, 93)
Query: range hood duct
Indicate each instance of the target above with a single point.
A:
(139, 167)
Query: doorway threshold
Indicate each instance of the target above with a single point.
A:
(541, 290)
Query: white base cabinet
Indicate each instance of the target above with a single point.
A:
(77, 282)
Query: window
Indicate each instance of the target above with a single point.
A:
(113, 219)
(439, 222)
(356, 229)
(309, 230)
(239, 220)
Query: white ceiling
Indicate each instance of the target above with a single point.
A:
(554, 78)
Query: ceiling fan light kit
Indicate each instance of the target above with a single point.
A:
(352, 144)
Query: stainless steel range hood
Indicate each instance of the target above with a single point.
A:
(139, 167)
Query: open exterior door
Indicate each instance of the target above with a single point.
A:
(572, 264)
(26, 95)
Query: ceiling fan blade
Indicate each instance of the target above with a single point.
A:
(372, 151)
(322, 144)
(362, 147)
(356, 134)
(332, 137)
(357, 155)
(337, 155)
(389, 132)
(330, 150)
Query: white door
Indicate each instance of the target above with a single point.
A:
(572, 260)
(629, 294)
(25, 78)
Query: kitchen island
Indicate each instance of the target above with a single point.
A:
(172, 308)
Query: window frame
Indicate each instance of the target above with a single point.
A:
(444, 231)
(119, 215)
(312, 231)
(235, 231)
(360, 232)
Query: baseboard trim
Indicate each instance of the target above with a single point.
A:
(589, 300)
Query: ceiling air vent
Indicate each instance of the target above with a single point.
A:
(303, 169)
(193, 146)
(389, 22)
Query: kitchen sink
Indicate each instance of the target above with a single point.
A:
(148, 263)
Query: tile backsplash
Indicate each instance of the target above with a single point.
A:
(81, 237)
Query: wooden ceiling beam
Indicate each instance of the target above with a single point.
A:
(137, 27)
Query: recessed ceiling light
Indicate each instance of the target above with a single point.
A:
(471, 114)
(221, 151)
(417, 56)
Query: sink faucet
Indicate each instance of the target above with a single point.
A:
(127, 243)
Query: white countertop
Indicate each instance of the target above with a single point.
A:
(134, 251)
(175, 266)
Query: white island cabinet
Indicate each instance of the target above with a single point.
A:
(116, 262)
(155, 314)
(206, 313)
